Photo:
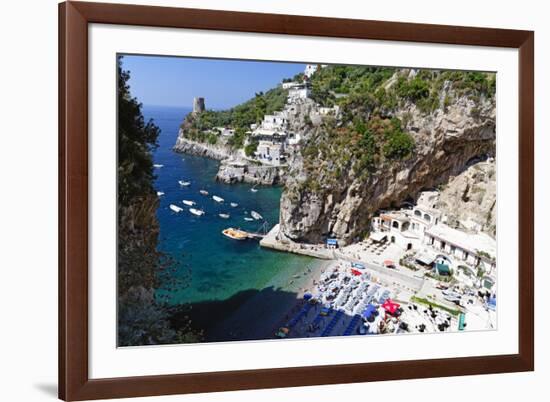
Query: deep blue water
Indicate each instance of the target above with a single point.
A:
(220, 267)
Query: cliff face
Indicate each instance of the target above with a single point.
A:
(469, 199)
(213, 151)
(237, 172)
(335, 199)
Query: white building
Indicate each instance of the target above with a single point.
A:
(271, 152)
(471, 251)
(297, 93)
(310, 70)
(396, 228)
(292, 84)
(225, 131)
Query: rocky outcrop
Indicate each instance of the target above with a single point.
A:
(231, 171)
(445, 142)
(469, 199)
(216, 151)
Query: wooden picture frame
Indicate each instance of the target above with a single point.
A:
(74, 381)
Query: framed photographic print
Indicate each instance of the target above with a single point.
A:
(258, 200)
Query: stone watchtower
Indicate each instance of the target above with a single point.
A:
(198, 105)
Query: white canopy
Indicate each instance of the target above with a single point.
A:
(377, 236)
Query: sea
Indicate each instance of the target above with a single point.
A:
(211, 267)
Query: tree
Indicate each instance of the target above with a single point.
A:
(142, 319)
(136, 140)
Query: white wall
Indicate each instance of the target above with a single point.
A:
(28, 209)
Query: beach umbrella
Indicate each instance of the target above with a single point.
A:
(389, 263)
(390, 306)
(307, 296)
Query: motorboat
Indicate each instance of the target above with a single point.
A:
(203, 192)
(234, 204)
(175, 208)
(254, 190)
(184, 183)
(217, 199)
(248, 219)
(158, 166)
(224, 216)
(235, 234)
(190, 203)
(160, 193)
(195, 211)
(256, 215)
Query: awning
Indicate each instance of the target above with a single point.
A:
(442, 269)
(378, 236)
(425, 258)
(332, 242)
(370, 310)
(390, 306)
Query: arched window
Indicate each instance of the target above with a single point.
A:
(417, 212)
(395, 224)
(427, 218)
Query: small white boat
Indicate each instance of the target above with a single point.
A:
(234, 204)
(256, 215)
(175, 208)
(198, 212)
(160, 193)
(190, 203)
(158, 166)
(248, 219)
(203, 192)
(217, 199)
(184, 183)
(224, 216)
(254, 190)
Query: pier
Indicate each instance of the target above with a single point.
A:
(271, 240)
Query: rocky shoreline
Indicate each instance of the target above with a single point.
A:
(234, 168)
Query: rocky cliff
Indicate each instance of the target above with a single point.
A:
(469, 199)
(231, 171)
(387, 151)
(214, 151)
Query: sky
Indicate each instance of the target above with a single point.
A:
(175, 81)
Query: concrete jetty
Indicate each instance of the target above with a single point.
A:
(275, 241)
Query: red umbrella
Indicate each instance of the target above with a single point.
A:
(356, 272)
(388, 263)
(390, 306)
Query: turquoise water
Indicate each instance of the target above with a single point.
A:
(219, 267)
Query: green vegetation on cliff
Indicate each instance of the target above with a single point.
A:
(386, 89)
(368, 135)
(243, 115)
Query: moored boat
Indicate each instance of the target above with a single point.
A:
(256, 215)
(190, 203)
(158, 166)
(160, 193)
(254, 190)
(203, 192)
(184, 183)
(195, 211)
(175, 208)
(217, 199)
(235, 234)
(248, 219)
(224, 216)
(234, 204)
